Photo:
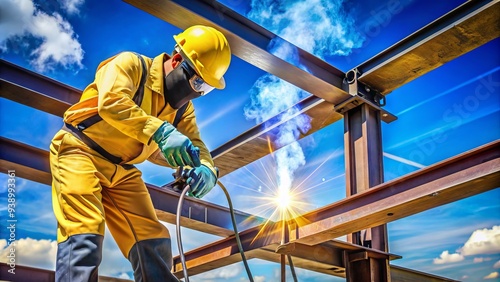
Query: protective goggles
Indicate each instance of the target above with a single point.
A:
(196, 82)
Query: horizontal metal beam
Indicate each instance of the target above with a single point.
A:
(29, 162)
(461, 30)
(249, 42)
(258, 141)
(35, 90)
(465, 175)
(33, 164)
(45, 94)
(402, 274)
(459, 177)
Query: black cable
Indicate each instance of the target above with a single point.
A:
(292, 268)
(236, 234)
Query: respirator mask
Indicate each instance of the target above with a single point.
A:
(183, 84)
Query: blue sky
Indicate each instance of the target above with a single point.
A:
(443, 113)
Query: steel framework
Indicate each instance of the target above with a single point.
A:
(370, 204)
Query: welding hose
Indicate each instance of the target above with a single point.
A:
(235, 228)
(178, 231)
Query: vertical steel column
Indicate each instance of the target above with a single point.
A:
(364, 169)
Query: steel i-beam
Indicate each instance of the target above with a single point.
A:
(364, 169)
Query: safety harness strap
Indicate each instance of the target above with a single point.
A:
(179, 114)
(138, 97)
(96, 147)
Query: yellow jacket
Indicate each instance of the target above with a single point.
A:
(126, 129)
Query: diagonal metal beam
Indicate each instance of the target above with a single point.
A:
(33, 164)
(258, 141)
(35, 90)
(465, 175)
(465, 28)
(249, 42)
(459, 177)
(45, 94)
(415, 55)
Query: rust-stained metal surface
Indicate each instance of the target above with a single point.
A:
(462, 176)
(364, 169)
(258, 141)
(460, 31)
(465, 175)
(50, 96)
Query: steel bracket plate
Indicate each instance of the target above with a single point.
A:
(362, 94)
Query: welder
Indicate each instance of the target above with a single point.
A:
(136, 109)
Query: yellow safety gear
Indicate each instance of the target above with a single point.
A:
(208, 52)
(89, 190)
(126, 130)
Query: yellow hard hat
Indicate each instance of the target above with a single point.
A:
(208, 52)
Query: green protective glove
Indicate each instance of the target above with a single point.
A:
(177, 149)
(202, 180)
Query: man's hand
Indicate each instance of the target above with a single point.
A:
(202, 180)
(177, 149)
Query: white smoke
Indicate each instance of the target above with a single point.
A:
(322, 28)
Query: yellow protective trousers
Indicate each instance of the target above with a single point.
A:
(88, 191)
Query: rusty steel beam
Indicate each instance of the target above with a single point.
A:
(470, 173)
(29, 162)
(45, 94)
(463, 29)
(402, 274)
(249, 42)
(257, 142)
(225, 251)
(364, 169)
(33, 164)
(465, 175)
(35, 90)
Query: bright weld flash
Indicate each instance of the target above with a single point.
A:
(283, 199)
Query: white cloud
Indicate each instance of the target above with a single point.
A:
(481, 259)
(124, 276)
(497, 264)
(57, 44)
(492, 275)
(446, 257)
(42, 254)
(71, 6)
(31, 252)
(482, 241)
(319, 27)
(113, 262)
(259, 278)
(224, 273)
